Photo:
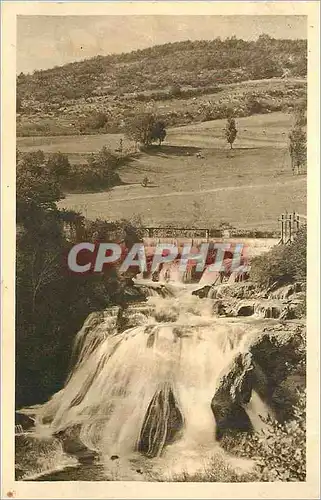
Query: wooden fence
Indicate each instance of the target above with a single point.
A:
(290, 224)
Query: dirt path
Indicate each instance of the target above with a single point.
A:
(202, 191)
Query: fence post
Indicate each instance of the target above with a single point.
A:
(282, 228)
(286, 220)
(290, 227)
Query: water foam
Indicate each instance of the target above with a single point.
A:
(149, 389)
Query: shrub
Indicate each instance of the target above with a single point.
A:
(96, 121)
(58, 165)
(279, 449)
(175, 90)
(283, 264)
(85, 178)
(254, 106)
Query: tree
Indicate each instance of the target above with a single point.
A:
(58, 165)
(51, 302)
(298, 142)
(145, 129)
(158, 132)
(37, 188)
(230, 131)
(103, 164)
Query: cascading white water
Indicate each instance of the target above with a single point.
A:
(149, 388)
(171, 272)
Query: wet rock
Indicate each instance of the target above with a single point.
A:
(271, 367)
(234, 391)
(162, 422)
(245, 308)
(202, 293)
(269, 308)
(265, 308)
(72, 445)
(284, 292)
(34, 455)
(97, 326)
(219, 308)
(230, 290)
(134, 294)
(241, 290)
(133, 315)
(23, 422)
(262, 308)
(297, 306)
(238, 277)
(153, 290)
(278, 352)
(94, 319)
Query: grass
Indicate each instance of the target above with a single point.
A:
(248, 187)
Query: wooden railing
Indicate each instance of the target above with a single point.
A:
(290, 225)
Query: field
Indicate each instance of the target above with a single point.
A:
(248, 187)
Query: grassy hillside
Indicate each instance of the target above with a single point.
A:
(248, 187)
(184, 82)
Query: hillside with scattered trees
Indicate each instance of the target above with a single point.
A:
(185, 81)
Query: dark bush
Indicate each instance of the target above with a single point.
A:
(279, 450)
(95, 121)
(283, 264)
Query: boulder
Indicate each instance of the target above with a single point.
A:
(271, 308)
(284, 292)
(245, 308)
(265, 308)
(133, 315)
(73, 446)
(234, 391)
(297, 306)
(230, 290)
(203, 292)
(269, 370)
(162, 422)
(241, 290)
(23, 422)
(220, 308)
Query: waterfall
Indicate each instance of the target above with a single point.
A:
(148, 390)
(171, 272)
(258, 411)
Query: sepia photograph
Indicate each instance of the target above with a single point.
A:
(160, 268)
